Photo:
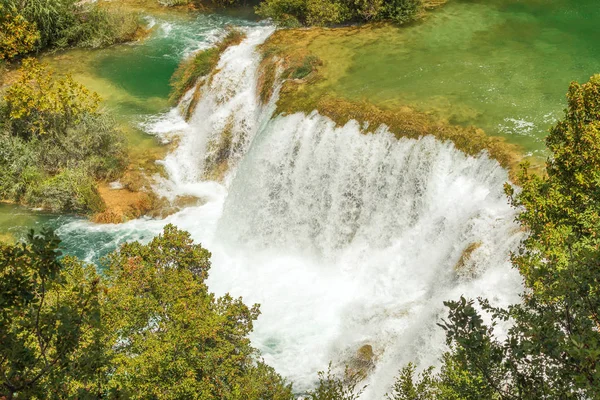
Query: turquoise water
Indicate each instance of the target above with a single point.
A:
(502, 65)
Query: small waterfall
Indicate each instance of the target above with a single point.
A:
(225, 120)
(345, 238)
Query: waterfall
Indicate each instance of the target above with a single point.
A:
(346, 238)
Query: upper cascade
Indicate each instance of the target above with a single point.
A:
(226, 118)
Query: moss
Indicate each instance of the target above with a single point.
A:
(200, 65)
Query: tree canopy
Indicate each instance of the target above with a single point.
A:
(147, 327)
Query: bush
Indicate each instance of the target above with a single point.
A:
(401, 11)
(17, 35)
(100, 28)
(73, 189)
(331, 12)
(54, 146)
(29, 25)
(283, 10)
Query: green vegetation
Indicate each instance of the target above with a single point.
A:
(147, 328)
(294, 13)
(55, 143)
(552, 350)
(30, 25)
(17, 35)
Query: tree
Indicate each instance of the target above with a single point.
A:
(552, 350)
(48, 312)
(147, 328)
(172, 337)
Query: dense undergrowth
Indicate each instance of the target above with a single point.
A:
(55, 143)
(296, 13)
(28, 26)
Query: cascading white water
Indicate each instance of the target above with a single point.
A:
(229, 104)
(344, 238)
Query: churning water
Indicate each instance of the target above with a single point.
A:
(344, 237)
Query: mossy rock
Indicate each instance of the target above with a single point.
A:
(465, 266)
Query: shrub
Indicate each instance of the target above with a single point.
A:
(40, 103)
(100, 28)
(17, 35)
(327, 12)
(401, 11)
(72, 190)
(42, 24)
(283, 10)
(55, 142)
(331, 12)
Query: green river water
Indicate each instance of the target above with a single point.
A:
(502, 65)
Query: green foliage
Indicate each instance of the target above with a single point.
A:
(406, 389)
(72, 189)
(43, 24)
(17, 35)
(173, 335)
(552, 350)
(148, 328)
(47, 310)
(55, 143)
(39, 103)
(332, 387)
(331, 12)
(100, 28)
